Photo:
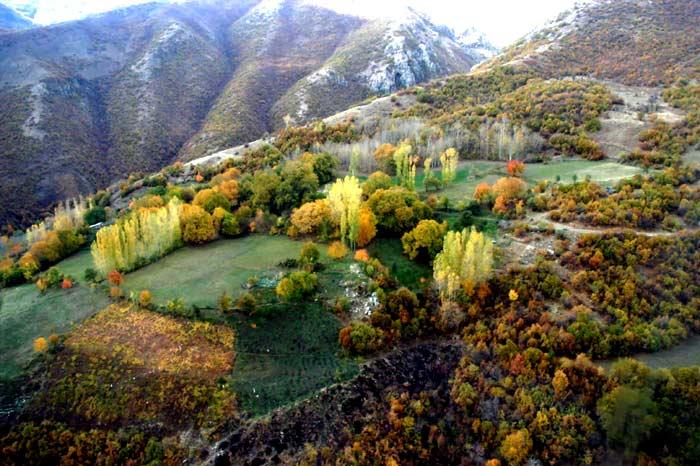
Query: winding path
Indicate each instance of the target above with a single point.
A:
(541, 217)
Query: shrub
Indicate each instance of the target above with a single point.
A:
(40, 345)
(337, 250)
(145, 298)
(361, 255)
(309, 256)
(361, 338)
(115, 278)
(297, 286)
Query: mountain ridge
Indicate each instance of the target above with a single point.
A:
(184, 80)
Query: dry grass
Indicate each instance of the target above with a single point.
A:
(157, 343)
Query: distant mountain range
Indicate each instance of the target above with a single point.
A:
(89, 101)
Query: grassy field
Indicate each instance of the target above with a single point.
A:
(199, 275)
(390, 252)
(684, 355)
(604, 172)
(76, 264)
(25, 314)
(470, 174)
(285, 354)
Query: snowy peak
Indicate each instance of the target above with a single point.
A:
(477, 45)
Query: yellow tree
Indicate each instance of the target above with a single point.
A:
(145, 234)
(345, 198)
(465, 261)
(405, 166)
(448, 160)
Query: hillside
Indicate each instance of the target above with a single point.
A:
(636, 42)
(83, 109)
(10, 20)
(472, 270)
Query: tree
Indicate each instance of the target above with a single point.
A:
(297, 286)
(405, 166)
(229, 189)
(368, 227)
(424, 240)
(384, 155)
(40, 345)
(197, 225)
(312, 218)
(628, 416)
(337, 250)
(516, 447)
(309, 256)
(142, 236)
(515, 168)
(263, 188)
(345, 198)
(448, 160)
(210, 199)
(361, 338)
(397, 210)
(95, 215)
(465, 261)
(375, 182)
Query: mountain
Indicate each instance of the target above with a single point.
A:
(477, 44)
(87, 102)
(11, 20)
(284, 70)
(636, 42)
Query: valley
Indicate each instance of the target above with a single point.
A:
(492, 267)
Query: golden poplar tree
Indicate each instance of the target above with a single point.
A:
(405, 166)
(448, 160)
(465, 261)
(345, 198)
(146, 234)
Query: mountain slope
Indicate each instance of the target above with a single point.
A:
(87, 102)
(636, 42)
(11, 20)
(284, 69)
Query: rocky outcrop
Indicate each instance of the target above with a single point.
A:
(328, 417)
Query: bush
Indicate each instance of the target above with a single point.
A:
(337, 250)
(309, 256)
(95, 215)
(297, 286)
(397, 210)
(361, 338)
(247, 303)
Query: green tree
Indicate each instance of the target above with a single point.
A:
(628, 416)
(424, 240)
(297, 286)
